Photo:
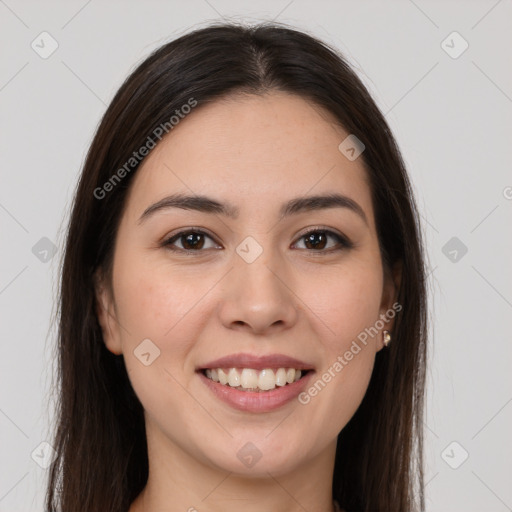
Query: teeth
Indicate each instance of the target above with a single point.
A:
(223, 378)
(281, 377)
(267, 380)
(249, 379)
(233, 378)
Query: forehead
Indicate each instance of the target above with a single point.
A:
(252, 150)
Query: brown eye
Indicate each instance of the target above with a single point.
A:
(192, 240)
(317, 241)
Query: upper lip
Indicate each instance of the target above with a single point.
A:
(244, 360)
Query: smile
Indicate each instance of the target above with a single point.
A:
(256, 383)
(249, 379)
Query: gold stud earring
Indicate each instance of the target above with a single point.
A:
(387, 338)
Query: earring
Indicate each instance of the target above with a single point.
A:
(387, 338)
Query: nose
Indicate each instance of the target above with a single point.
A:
(259, 297)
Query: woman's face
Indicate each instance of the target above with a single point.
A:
(255, 286)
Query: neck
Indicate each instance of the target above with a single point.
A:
(178, 481)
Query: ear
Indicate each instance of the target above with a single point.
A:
(106, 314)
(389, 307)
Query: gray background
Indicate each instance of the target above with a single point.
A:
(452, 119)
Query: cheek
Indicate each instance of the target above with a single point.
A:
(347, 307)
(156, 303)
(347, 302)
(157, 306)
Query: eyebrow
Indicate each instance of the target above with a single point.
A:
(295, 206)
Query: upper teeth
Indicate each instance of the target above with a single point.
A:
(247, 378)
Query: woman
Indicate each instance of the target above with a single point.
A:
(242, 307)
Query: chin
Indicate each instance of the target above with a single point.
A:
(258, 452)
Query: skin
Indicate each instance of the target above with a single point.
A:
(256, 152)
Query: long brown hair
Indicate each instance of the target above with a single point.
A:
(102, 462)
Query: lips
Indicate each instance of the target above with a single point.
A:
(244, 360)
(256, 402)
(270, 395)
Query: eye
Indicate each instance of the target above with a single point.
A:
(316, 241)
(192, 240)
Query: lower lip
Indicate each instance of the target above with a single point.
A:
(250, 401)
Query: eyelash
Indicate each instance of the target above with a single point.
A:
(342, 241)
